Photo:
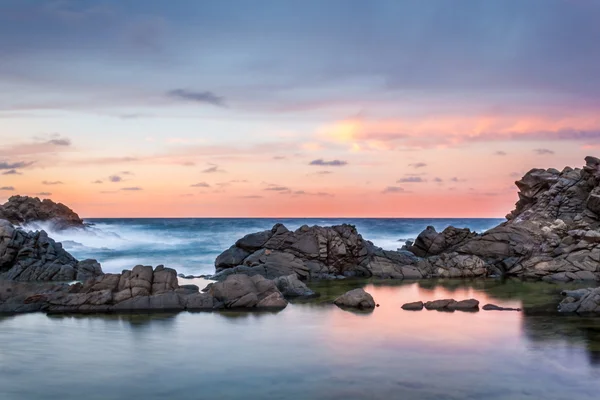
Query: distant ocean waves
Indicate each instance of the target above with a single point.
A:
(191, 245)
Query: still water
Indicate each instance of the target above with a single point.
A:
(313, 350)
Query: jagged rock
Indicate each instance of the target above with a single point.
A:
(291, 286)
(356, 298)
(430, 242)
(33, 256)
(552, 234)
(314, 253)
(24, 209)
(415, 306)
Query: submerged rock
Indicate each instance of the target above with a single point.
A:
(356, 298)
(582, 301)
(493, 307)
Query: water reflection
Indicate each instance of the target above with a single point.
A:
(313, 349)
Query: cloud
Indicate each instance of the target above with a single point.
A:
(438, 180)
(12, 172)
(188, 164)
(43, 194)
(457, 179)
(199, 97)
(411, 179)
(542, 152)
(97, 182)
(200, 184)
(279, 158)
(127, 173)
(15, 165)
(278, 188)
(394, 189)
(213, 169)
(418, 165)
(115, 178)
(250, 197)
(52, 182)
(516, 174)
(132, 189)
(500, 153)
(332, 163)
(8, 188)
(59, 142)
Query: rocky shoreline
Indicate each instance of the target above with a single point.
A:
(553, 234)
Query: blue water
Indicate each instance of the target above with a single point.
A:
(191, 245)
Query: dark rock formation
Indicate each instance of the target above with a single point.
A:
(430, 243)
(493, 307)
(139, 290)
(552, 234)
(452, 305)
(21, 210)
(33, 256)
(323, 253)
(356, 298)
(414, 306)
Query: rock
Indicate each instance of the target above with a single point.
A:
(493, 307)
(356, 298)
(21, 210)
(314, 253)
(430, 242)
(33, 256)
(464, 305)
(243, 291)
(415, 306)
(141, 289)
(291, 286)
(582, 301)
(439, 304)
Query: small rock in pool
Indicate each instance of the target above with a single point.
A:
(493, 307)
(465, 305)
(439, 304)
(414, 306)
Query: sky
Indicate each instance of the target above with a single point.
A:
(338, 108)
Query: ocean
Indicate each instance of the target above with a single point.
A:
(191, 245)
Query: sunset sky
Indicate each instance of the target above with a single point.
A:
(293, 108)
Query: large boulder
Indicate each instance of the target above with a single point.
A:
(21, 210)
(33, 256)
(356, 298)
